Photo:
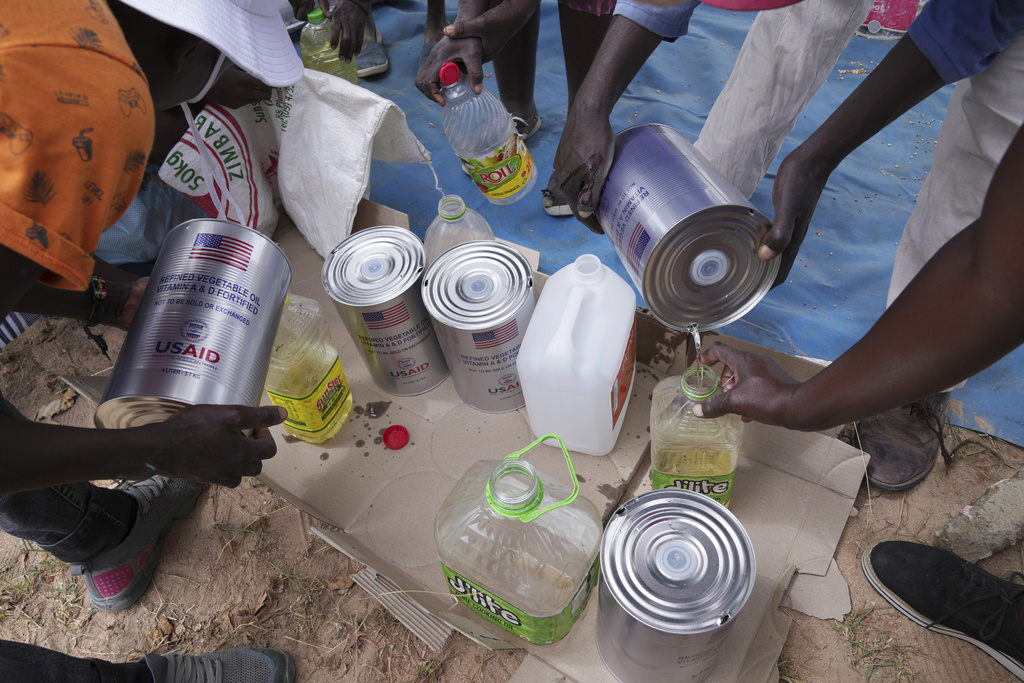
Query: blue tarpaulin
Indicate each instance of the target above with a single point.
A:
(837, 288)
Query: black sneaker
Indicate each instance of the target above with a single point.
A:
(949, 595)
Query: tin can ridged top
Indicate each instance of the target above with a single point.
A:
(477, 284)
(707, 270)
(677, 561)
(373, 266)
(698, 236)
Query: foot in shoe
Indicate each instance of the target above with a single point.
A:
(244, 664)
(116, 578)
(903, 442)
(552, 207)
(947, 594)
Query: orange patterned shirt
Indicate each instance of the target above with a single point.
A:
(77, 125)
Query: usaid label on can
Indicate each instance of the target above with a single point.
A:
(687, 237)
(480, 297)
(676, 569)
(205, 326)
(373, 277)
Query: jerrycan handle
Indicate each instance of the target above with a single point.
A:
(561, 348)
(530, 513)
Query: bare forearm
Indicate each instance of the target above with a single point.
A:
(38, 455)
(962, 312)
(624, 50)
(901, 80)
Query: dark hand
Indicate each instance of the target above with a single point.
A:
(795, 193)
(493, 27)
(753, 386)
(582, 161)
(465, 51)
(347, 28)
(205, 443)
(237, 88)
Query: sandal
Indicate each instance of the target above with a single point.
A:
(527, 127)
(551, 208)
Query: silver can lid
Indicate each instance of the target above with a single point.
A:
(373, 266)
(706, 269)
(477, 285)
(677, 561)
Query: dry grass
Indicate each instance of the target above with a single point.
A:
(873, 650)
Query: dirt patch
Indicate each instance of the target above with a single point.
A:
(243, 569)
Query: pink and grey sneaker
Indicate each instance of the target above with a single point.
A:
(118, 577)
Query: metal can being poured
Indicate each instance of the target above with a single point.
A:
(687, 237)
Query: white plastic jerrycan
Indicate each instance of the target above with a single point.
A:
(576, 360)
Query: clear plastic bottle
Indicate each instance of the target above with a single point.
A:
(519, 547)
(305, 374)
(689, 452)
(455, 223)
(317, 53)
(483, 135)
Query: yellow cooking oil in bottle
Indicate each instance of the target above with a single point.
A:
(305, 375)
(693, 453)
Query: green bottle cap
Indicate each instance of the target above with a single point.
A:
(699, 382)
(315, 16)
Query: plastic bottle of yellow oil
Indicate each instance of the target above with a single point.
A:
(305, 374)
(518, 547)
(317, 53)
(693, 453)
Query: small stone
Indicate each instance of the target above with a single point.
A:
(988, 526)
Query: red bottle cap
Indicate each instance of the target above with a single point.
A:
(449, 73)
(395, 437)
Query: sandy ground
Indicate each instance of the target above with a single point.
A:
(243, 569)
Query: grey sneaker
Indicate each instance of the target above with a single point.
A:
(241, 665)
(117, 578)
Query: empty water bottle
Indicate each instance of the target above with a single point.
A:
(455, 223)
(483, 135)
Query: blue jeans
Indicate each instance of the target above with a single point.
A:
(72, 522)
(21, 663)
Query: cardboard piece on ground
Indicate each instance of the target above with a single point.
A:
(824, 597)
(793, 494)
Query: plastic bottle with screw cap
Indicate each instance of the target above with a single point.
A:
(317, 53)
(484, 137)
(697, 454)
(520, 547)
(455, 223)
(305, 374)
(577, 358)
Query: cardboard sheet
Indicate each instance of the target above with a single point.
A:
(793, 494)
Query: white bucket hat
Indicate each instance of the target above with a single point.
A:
(250, 32)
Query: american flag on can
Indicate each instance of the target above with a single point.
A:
(497, 336)
(379, 320)
(210, 246)
(637, 243)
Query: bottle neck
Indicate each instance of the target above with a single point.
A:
(457, 92)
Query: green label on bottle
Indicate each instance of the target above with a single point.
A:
(718, 488)
(503, 172)
(539, 630)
